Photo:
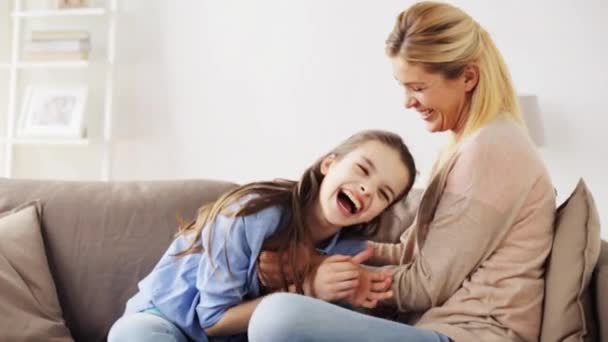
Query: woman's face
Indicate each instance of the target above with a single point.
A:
(442, 103)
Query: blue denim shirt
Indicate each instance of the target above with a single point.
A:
(194, 291)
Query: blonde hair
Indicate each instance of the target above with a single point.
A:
(444, 39)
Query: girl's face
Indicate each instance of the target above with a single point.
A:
(441, 102)
(361, 184)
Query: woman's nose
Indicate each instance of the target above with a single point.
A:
(410, 101)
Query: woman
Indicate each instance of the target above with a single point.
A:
(471, 267)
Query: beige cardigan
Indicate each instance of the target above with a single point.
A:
(475, 273)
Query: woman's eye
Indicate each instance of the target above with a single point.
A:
(363, 169)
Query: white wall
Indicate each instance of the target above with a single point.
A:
(247, 90)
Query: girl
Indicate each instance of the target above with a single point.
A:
(206, 287)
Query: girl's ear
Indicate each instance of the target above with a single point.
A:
(326, 163)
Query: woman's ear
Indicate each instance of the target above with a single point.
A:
(471, 77)
(326, 163)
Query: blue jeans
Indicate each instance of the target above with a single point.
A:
(145, 327)
(294, 318)
(152, 326)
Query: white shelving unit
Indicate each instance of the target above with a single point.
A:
(50, 65)
(16, 66)
(59, 13)
(42, 142)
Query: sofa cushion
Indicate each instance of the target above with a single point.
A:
(600, 292)
(398, 218)
(576, 247)
(29, 304)
(103, 237)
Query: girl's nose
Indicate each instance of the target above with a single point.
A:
(363, 188)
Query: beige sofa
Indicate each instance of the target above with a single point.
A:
(101, 238)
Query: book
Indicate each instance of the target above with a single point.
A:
(58, 46)
(58, 35)
(56, 56)
(63, 4)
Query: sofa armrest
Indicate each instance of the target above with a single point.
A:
(600, 287)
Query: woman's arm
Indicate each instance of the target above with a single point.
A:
(497, 202)
(385, 253)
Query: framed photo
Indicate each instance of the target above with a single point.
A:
(53, 112)
(61, 4)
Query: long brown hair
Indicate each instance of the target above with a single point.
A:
(295, 197)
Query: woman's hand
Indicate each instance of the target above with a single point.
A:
(269, 272)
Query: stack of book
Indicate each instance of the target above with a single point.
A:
(57, 46)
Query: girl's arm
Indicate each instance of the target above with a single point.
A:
(235, 320)
(339, 277)
(223, 276)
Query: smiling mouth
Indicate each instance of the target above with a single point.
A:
(427, 113)
(349, 202)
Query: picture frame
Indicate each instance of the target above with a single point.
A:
(53, 111)
(65, 4)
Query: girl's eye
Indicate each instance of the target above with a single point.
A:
(383, 195)
(363, 169)
(417, 89)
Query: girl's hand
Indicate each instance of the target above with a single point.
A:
(374, 286)
(337, 277)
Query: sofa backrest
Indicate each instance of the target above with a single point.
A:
(102, 238)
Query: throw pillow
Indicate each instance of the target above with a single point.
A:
(29, 304)
(600, 284)
(576, 248)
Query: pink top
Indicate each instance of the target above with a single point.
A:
(475, 273)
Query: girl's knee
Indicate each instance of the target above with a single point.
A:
(281, 306)
(144, 327)
(276, 318)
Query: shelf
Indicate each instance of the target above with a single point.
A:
(52, 64)
(60, 13)
(19, 66)
(48, 141)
